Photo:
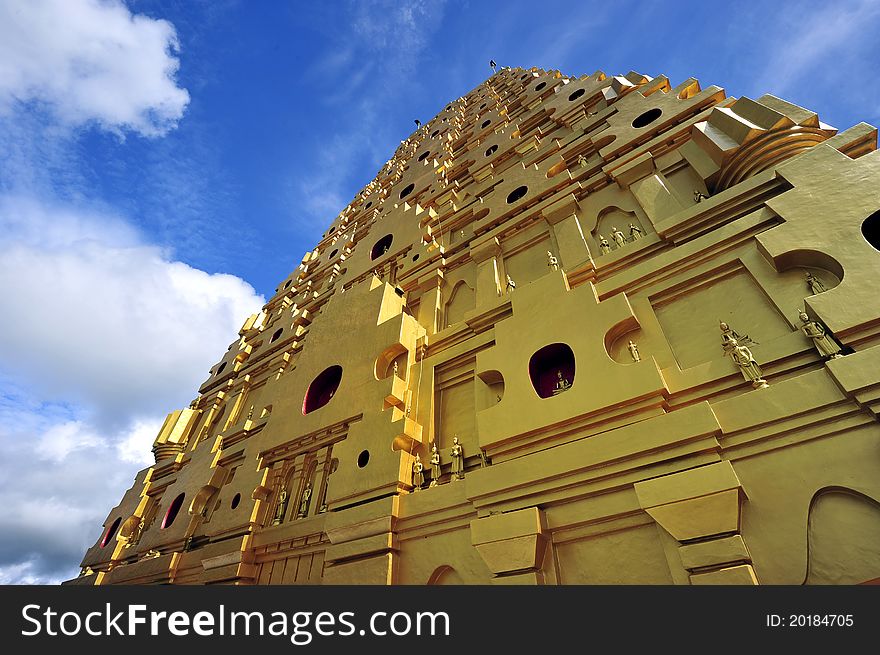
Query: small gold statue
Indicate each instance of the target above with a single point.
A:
(582, 161)
(457, 454)
(280, 508)
(552, 262)
(814, 284)
(561, 384)
(699, 196)
(618, 236)
(635, 232)
(511, 285)
(633, 351)
(435, 466)
(604, 246)
(418, 476)
(817, 332)
(731, 344)
(304, 502)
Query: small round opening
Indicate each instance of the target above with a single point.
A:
(322, 388)
(236, 499)
(577, 94)
(485, 124)
(647, 118)
(333, 253)
(871, 230)
(483, 106)
(415, 257)
(407, 191)
(276, 335)
(491, 150)
(331, 230)
(363, 459)
(524, 76)
(381, 246)
(517, 193)
(435, 133)
(368, 205)
(287, 285)
(111, 531)
(173, 509)
(424, 155)
(540, 86)
(222, 366)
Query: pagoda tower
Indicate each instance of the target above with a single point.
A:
(577, 330)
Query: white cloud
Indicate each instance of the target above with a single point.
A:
(102, 335)
(91, 60)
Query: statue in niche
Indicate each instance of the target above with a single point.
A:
(280, 508)
(435, 466)
(633, 351)
(582, 161)
(618, 237)
(814, 284)
(511, 285)
(304, 502)
(457, 454)
(562, 384)
(604, 246)
(826, 346)
(552, 262)
(418, 476)
(732, 344)
(484, 459)
(635, 232)
(395, 370)
(699, 196)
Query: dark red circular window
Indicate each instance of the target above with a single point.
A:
(551, 369)
(173, 510)
(322, 389)
(111, 531)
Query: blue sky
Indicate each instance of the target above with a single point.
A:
(164, 164)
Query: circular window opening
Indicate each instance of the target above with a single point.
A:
(111, 531)
(524, 76)
(363, 459)
(435, 133)
(647, 118)
(236, 499)
(276, 335)
(491, 150)
(173, 509)
(415, 257)
(483, 106)
(333, 254)
(331, 230)
(381, 246)
(577, 94)
(552, 370)
(222, 366)
(871, 230)
(517, 193)
(289, 282)
(368, 205)
(485, 124)
(424, 155)
(407, 191)
(540, 86)
(321, 389)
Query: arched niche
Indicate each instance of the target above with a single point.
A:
(445, 575)
(461, 300)
(843, 538)
(490, 389)
(612, 217)
(385, 362)
(173, 511)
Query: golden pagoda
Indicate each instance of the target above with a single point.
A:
(577, 330)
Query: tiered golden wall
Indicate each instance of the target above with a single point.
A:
(579, 239)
